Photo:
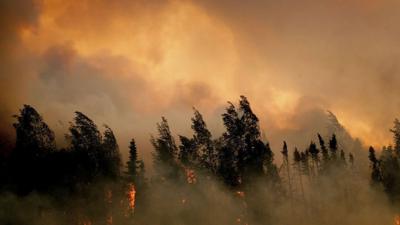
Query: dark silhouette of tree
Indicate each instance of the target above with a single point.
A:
(86, 144)
(333, 147)
(164, 156)
(396, 135)
(110, 159)
(375, 174)
(342, 157)
(227, 165)
(135, 166)
(33, 135)
(188, 155)
(351, 160)
(272, 173)
(205, 151)
(34, 141)
(389, 171)
(324, 150)
(313, 150)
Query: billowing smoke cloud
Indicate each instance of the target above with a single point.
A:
(126, 63)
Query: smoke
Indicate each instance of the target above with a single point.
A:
(144, 59)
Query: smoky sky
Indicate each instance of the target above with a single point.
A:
(127, 63)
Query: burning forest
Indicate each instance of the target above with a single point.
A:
(231, 179)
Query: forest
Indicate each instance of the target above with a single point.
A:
(200, 179)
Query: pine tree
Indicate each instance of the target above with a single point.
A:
(204, 144)
(271, 172)
(375, 174)
(396, 136)
(164, 156)
(389, 171)
(35, 143)
(33, 135)
(333, 147)
(324, 150)
(86, 143)
(110, 159)
(313, 150)
(133, 160)
(188, 152)
(351, 160)
(342, 157)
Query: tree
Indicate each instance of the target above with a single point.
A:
(389, 171)
(204, 144)
(396, 135)
(164, 156)
(342, 157)
(375, 174)
(271, 169)
(188, 152)
(35, 141)
(110, 159)
(351, 160)
(134, 165)
(86, 144)
(33, 135)
(324, 150)
(333, 147)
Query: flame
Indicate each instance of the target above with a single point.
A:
(397, 220)
(240, 194)
(110, 220)
(132, 197)
(190, 176)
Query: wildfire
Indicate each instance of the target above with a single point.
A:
(132, 197)
(190, 176)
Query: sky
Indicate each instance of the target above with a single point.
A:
(127, 63)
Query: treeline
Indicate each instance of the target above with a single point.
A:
(385, 170)
(90, 168)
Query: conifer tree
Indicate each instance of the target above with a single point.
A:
(324, 150)
(205, 151)
(375, 173)
(164, 156)
(396, 136)
(110, 163)
(333, 147)
(86, 143)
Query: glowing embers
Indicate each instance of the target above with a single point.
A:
(190, 176)
(397, 220)
(131, 198)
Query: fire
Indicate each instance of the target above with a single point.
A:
(240, 194)
(190, 176)
(397, 220)
(110, 220)
(183, 201)
(132, 197)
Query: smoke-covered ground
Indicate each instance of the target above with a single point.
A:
(346, 201)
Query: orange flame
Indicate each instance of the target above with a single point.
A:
(240, 194)
(110, 220)
(397, 220)
(190, 176)
(132, 197)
